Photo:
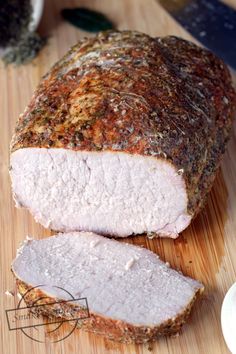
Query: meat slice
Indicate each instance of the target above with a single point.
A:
(132, 295)
(123, 136)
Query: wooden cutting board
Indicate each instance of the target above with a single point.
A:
(206, 250)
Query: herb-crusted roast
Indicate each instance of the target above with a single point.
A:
(132, 295)
(123, 136)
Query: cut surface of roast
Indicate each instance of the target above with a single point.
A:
(113, 193)
(123, 136)
(128, 288)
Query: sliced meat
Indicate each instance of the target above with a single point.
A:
(123, 136)
(113, 193)
(132, 295)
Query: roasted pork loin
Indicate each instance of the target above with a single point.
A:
(123, 136)
(132, 295)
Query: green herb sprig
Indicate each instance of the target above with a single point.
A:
(88, 20)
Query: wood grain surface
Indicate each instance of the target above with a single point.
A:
(206, 250)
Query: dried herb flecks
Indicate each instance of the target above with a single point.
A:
(88, 20)
(15, 17)
(20, 44)
(26, 49)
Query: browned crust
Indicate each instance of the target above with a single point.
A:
(161, 97)
(110, 328)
